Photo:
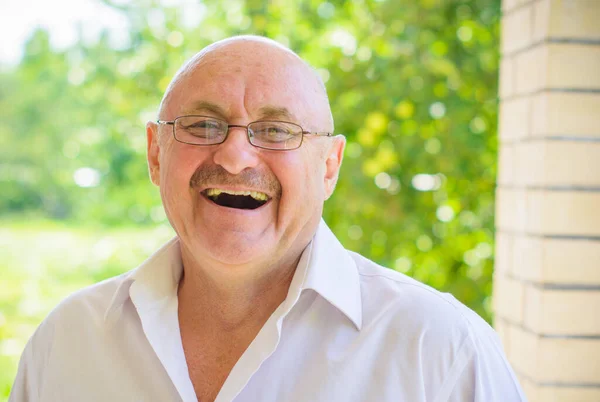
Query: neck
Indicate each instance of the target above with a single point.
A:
(228, 299)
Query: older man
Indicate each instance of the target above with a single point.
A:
(255, 299)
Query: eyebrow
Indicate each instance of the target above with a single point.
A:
(204, 106)
(275, 112)
(265, 112)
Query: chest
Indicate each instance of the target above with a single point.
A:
(210, 363)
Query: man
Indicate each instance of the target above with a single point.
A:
(256, 300)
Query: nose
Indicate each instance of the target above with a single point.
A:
(236, 153)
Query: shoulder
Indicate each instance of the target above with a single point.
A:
(393, 299)
(82, 310)
(459, 354)
(93, 300)
(77, 317)
(90, 308)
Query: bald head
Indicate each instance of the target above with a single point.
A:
(252, 62)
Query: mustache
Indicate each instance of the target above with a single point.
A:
(213, 175)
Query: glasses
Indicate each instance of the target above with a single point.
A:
(266, 134)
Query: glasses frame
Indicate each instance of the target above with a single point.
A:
(302, 131)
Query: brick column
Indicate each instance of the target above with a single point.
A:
(547, 273)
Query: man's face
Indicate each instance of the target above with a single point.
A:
(242, 83)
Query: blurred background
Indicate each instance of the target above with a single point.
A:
(412, 84)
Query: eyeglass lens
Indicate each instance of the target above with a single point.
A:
(199, 130)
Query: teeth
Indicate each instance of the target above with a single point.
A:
(213, 192)
(257, 195)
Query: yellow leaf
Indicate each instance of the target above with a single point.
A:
(377, 122)
(405, 109)
(366, 137)
(371, 167)
(387, 158)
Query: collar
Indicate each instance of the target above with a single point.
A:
(331, 272)
(155, 280)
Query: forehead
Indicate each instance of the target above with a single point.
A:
(252, 83)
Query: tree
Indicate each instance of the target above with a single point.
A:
(412, 86)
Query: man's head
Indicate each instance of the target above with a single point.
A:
(242, 80)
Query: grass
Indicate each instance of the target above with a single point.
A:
(43, 262)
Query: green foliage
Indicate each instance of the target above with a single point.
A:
(412, 86)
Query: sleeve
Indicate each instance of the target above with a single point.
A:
(28, 383)
(24, 386)
(482, 374)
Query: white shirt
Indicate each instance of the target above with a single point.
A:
(348, 330)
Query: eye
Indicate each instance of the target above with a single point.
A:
(200, 127)
(277, 134)
(204, 124)
(273, 132)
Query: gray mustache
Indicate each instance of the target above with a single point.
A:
(214, 175)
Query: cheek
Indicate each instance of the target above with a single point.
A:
(177, 167)
(302, 179)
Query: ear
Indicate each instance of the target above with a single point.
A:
(333, 163)
(153, 152)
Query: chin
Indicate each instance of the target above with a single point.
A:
(230, 249)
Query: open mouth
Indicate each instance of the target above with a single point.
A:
(236, 199)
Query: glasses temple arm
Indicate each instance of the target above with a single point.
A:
(319, 133)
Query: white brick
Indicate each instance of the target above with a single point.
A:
(573, 66)
(508, 298)
(514, 119)
(531, 70)
(506, 164)
(554, 163)
(574, 19)
(529, 163)
(527, 258)
(549, 261)
(507, 77)
(566, 394)
(511, 209)
(562, 312)
(554, 359)
(501, 326)
(541, 20)
(566, 114)
(508, 5)
(503, 260)
(568, 360)
(563, 213)
(556, 66)
(517, 29)
(570, 261)
(567, 19)
(523, 351)
(571, 163)
(530, 389)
